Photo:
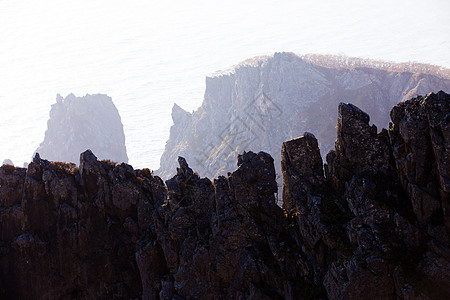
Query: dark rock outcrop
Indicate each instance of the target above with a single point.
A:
(68, 232)
(80, 123)
(420, 136)
(372, 225)
(397, 228)
(219, 239)
(261, 104)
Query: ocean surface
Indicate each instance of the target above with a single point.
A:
(147, 55)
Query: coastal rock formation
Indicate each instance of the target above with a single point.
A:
(372, 224)
(69, 233)
(262, 103)
(80, 123)
(398, 202)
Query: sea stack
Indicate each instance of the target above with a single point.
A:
(80, 123)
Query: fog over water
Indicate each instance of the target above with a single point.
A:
(147, 55)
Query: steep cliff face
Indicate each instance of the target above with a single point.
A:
(372, 224)
(259, 106)
(80, 123)
(219, 238)
(69, 233)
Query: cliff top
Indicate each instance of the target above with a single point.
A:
(343, 62)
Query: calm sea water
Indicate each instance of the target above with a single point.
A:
(147, 55)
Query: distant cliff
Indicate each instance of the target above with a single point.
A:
(80, 123)
(266, 101)
(373, 223)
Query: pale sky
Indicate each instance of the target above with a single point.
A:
(147, 55)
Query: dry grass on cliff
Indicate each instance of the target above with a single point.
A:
(147, 173)
(345, 62)
(64, 168)
(109, 163)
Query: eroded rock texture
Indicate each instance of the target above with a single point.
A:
(227, 239)
(80, 123)
(68, 232)
(372, 224)
(397, 199)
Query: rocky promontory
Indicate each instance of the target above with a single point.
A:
(262, 103)
(373, 223)
(80, 123)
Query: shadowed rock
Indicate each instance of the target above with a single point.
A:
(375, 227)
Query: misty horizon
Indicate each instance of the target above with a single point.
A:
(147, 56)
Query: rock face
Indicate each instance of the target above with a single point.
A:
(260, 105)
(372, 224)
(397, 229)
(80, 123)
(68, 232)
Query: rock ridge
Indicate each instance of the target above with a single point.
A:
(373, 222)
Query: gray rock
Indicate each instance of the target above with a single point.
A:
(80, 123)
(258, 106)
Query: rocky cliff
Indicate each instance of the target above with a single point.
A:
(80, 123)
(372, 223)
(260, 104)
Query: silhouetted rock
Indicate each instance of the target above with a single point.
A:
(374, 227)
(397, 232)
(359, 148)
(64, 235)
(80, 123)
(214, 249)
